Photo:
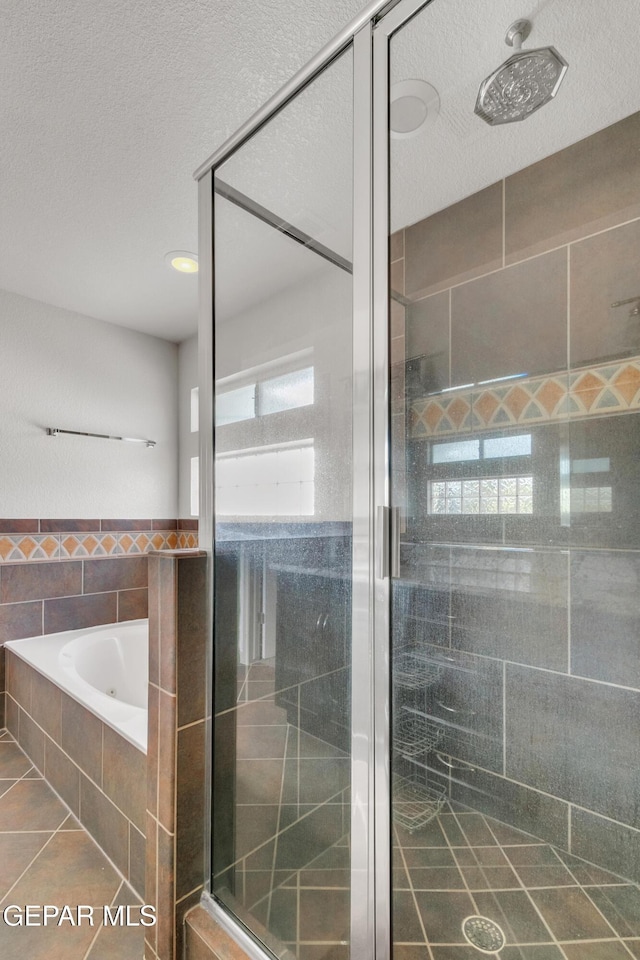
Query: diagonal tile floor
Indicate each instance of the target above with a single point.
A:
(550, 905)
(46, 857)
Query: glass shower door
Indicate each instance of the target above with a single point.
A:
(283, 525)
(514, 259)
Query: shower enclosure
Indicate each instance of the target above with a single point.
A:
(420, 335)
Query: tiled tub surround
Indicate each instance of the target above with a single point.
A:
(38, 598)
(530, 621)
(41, 840)
(120, 796)
(103, 668)
(175, 800)
(99, 775)
(66, 574)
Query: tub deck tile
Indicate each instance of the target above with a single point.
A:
(13, 763)
(30, 805)
(46, 857)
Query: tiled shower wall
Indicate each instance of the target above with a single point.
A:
(60, 575)
(538, 612)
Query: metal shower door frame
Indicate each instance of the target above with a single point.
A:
(383, 31)
(368, 34)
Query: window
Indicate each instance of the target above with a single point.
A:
(508, 446)
(479, 494)
(273, 395)
(596, 465)
(591, 499)
(236, 405)
(455, 451)
(195, 410)
(286, 392)
(479, 448)
(276, 480)
(489, 495)
(195, 486)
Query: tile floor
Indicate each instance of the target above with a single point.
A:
(550, 905)
(46, 857)
(291, 806)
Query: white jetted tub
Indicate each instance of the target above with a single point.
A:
(104, 668)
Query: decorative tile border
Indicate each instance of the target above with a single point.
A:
(89, 545)
(187, 540)
(31, 547)
(22, 548)
(607, 388)
(136, 543)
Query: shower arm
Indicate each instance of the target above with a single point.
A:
(518, 33)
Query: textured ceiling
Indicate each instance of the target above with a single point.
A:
(106, 108)
(454, 45)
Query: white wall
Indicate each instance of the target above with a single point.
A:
(188, 441)
(61, 369)
(313, 315)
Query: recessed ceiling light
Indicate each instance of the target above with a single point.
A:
(413, 104)
(183, 261)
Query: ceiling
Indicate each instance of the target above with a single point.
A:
(107, 108)
(460, 154)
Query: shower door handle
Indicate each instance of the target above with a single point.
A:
(382, 536)
(388, 533)
(394, 545)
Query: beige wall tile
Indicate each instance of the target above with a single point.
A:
(590, 185)
(512, 321)
(456, 244)
(124, 776)
(396, 245)
(605, 269)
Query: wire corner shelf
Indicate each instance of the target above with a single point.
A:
(414, 735)
(415, 804)
(414, 671)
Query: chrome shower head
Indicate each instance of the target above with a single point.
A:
(523, 83)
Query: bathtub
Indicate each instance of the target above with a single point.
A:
(104, 668)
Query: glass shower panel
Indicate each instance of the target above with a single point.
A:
(283, 510)
(515, 420)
